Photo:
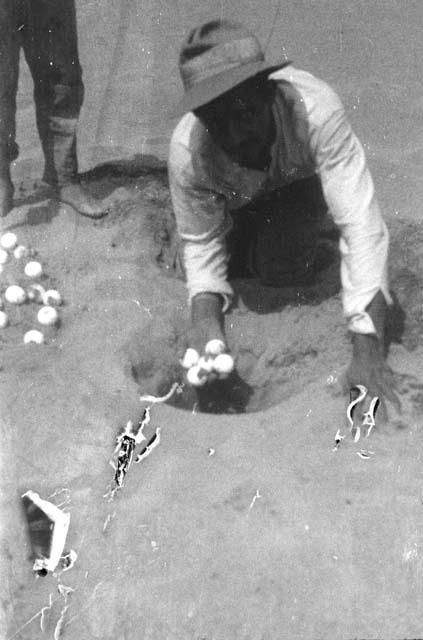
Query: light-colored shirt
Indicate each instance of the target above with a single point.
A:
(313, 136)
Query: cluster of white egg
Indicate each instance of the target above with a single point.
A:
(214, 364)
(17, 295)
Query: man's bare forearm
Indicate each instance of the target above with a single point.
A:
(207, 305)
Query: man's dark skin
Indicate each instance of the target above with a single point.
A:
(241, 123)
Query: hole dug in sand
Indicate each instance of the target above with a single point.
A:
(276, 356)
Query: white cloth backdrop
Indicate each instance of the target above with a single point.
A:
(129, 51)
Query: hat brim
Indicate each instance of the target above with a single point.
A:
(213, 87)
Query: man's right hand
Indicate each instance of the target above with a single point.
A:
(206, 341)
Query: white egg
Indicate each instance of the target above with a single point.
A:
(36, 293)
(223, 364)
(15, 294)
(33, 336)
(194, 378)
(33, 269)
(215, 347)
(21, 252)
(4, 320)
(52, 297)
(205, 364)
(47, 315)
(4, 256)
(190, 358)
(8, 240)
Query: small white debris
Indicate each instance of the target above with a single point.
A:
(253, 501)
(212, 452)
(365, 454)
(338, 439)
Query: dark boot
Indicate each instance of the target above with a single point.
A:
(58, 139)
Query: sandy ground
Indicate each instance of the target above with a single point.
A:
(238, 525)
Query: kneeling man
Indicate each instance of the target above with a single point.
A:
(261, 152)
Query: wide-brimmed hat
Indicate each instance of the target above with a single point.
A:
(216, 57)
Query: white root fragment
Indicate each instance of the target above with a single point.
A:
(68, 560)
(175, 388)
(357, 434)
(363, 455)
(362, 394)
(152, 444)
(253, 501)
(369, 416)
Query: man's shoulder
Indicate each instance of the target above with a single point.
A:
(189, 134)
(183, 131)
(316, 97)
(193, 157)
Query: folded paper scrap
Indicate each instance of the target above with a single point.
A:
(47, 528)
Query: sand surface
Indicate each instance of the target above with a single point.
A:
(242, 524)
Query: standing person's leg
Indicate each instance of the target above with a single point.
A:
(9, 71)
(51, 49)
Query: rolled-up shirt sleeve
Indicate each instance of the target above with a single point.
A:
(202, 222)
(350, 195)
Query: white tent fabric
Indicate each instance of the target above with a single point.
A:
(129, 50)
